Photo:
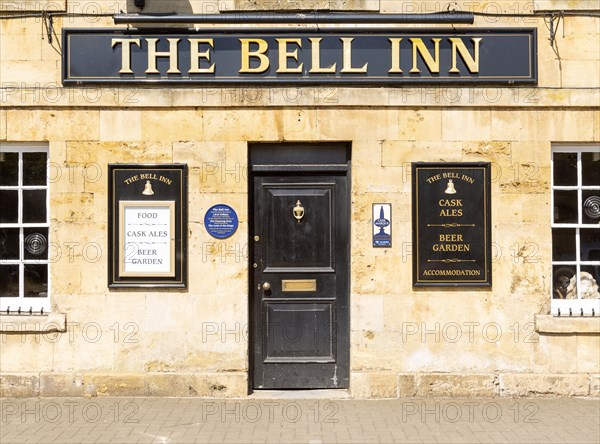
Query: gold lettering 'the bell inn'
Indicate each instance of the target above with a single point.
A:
(254, 55)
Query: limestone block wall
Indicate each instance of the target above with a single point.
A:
(404, 342)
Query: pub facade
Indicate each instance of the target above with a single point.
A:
(217, 198)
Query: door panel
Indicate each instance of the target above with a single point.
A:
(300, 282)
(289, 339)
(304, 244)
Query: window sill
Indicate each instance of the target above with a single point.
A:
(567, 325)
(50, 323)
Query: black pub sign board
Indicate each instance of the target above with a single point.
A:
(451, 212)
(290, 56)
(147, 225)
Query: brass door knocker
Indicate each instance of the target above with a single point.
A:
(298, 211)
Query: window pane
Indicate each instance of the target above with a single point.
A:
(590, 277)
(9, 210)
(590, 168)
(35, 243)
(589, 247)
(34, 206)
(591, 206)
(36, 280)
(9, 281)
(565, 207)
(565, 169)
(9, 169)
(563, 282)
(9, 243)
(563, 244)
(34, 168)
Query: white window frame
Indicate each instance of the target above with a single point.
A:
(21, 303)
(573, 307)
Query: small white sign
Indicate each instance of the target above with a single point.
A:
(147, 239)
(382, 225)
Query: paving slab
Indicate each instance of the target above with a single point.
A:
(282, 418)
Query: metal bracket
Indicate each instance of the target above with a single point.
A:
(49, 23)
(553, 28)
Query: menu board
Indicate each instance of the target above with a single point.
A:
(451, 224)
(147, 238)
(147, 225)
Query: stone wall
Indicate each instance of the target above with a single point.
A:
(404, 342)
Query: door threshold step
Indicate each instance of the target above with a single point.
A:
(301, 394)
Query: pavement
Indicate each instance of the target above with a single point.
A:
(299, 418)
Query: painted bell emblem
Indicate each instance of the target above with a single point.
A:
(298, 211)
(450, 188)
(148, 191)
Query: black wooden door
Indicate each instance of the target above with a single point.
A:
(300, 279)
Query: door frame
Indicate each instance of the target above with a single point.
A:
(317, 167)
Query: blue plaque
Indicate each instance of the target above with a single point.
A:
(221, 221)
(382, 225)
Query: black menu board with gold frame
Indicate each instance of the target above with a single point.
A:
(147, 224)
(451, 210)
